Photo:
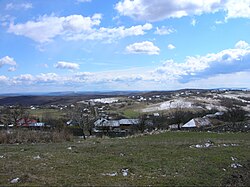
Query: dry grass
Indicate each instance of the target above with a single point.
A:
(33, 136)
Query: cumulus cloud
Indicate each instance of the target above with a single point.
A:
(164, 30)
(230, 80)
(45, 28)
(242, 45)
(67, 65)
(145, 47)
(111, 34)
(22, 79)
(73, 27)
(7, 61)
(48, 78)
(164, 9)
(237, 9)
(197, 67)
(171, 46)
(26, 77)
(22, 6)
(229, 67)
(42, 78)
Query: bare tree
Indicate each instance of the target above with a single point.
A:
(142, 123)
(90, 119)
(235, 114)
(11, 115)
(15, 113)
(179, 116)
(6, 117)
(83, 116)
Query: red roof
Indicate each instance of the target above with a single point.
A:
(25, 122)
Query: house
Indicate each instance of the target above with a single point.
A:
(126, 124)
(37, 125)
(156, 114)
(197, 123)
(174, 127)
(26, 122)
(103, 124)
(121, 125)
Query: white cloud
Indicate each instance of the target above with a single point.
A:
(45, 28)
(171, 46)
(237, 9)
(197, 67)
(164, 30)
(242, 45)
(145, 47)
(22, 79)
(67, 65)
(22, 6)
(218, 22)
(7, 61)
(164, 9)
(41, 78)
(48, 78)
(193, 22)
(73, 27)
(3, 78)
(11, 69)
(111, 34)
(83, 74)
(230, 80)
(230, 67)
(27, 77)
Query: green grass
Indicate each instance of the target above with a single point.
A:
(131, 113)
(164, 159)
(42, 113)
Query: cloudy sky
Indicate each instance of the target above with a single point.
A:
(97, 45)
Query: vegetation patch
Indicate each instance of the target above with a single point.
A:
(33, 136)
(159, 160)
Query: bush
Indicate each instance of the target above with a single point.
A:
(33, 136)
(235, 114)
(229, 102)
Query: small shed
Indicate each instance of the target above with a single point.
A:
(197, 123)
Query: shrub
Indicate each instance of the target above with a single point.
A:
(235, 114)
(33, 136)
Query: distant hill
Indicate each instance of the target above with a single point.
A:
(46, 100)
(66, 98)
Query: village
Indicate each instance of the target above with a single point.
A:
(116, 116)
(142, 138)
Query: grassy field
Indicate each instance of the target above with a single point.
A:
(43, 113)
(163, 159)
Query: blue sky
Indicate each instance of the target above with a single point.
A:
(92, 45)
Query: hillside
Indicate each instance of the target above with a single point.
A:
(46, 100)
(167, 159)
